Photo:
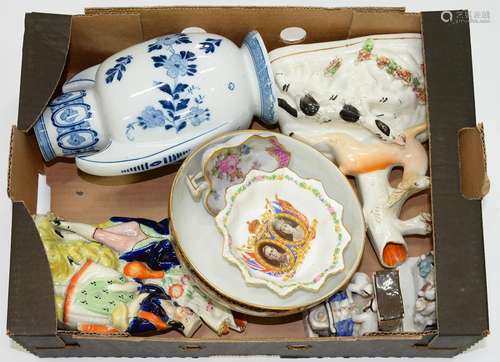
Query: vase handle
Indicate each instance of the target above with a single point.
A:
(83, 80)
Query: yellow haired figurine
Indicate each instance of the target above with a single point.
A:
(68, 252)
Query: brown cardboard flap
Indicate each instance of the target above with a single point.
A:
(236, 22)
(46, 41)
(25, 164)
(105, 31)
(98, 37)
(474, 181)
(31, 309)
(303, 348)
(189, 9)
(365, 23)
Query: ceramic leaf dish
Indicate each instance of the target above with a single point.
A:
(282, 231)
(228, 164)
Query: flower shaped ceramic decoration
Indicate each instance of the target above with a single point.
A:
(282, 231)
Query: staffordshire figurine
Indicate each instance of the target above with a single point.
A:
(124, 276)
(361, 102)
(419, 293)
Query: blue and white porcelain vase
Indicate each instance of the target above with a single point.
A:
(150, 104)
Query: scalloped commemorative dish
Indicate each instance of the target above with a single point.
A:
(200, 246)
(227, 164)
(282, 231)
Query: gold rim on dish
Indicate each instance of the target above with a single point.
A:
(280, 311)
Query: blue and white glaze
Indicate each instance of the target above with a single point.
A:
(70, 116)
(118, 69)
(264, 75)
(149, 105)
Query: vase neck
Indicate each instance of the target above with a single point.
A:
(263, 90)
(70, 126)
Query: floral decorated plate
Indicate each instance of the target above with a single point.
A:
(283, 231)
(227, 164)
(201, 247)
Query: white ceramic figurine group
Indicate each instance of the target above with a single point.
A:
(282, 228)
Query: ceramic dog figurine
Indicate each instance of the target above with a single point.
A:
(124, 276)
(149, 105)
(362, 103)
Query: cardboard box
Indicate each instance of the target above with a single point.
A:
(57, 46)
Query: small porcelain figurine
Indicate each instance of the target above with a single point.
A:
(419, 293)
(182, 289)
(149, 105)
(128, 281)
(362, 103)
(283, 231)
(346, 313)
(227, 164)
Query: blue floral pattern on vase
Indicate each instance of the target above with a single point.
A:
(177, 64)
(119, 68)
(197, 116)
(168, 41)
(151, 117)
(209, 45)
(181, 104)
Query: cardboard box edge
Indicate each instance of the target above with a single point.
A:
(41, 51)
(455, 219)
(35, 118)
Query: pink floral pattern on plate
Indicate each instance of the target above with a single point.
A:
(229, 166)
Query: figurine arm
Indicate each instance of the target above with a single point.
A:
(121, 237)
